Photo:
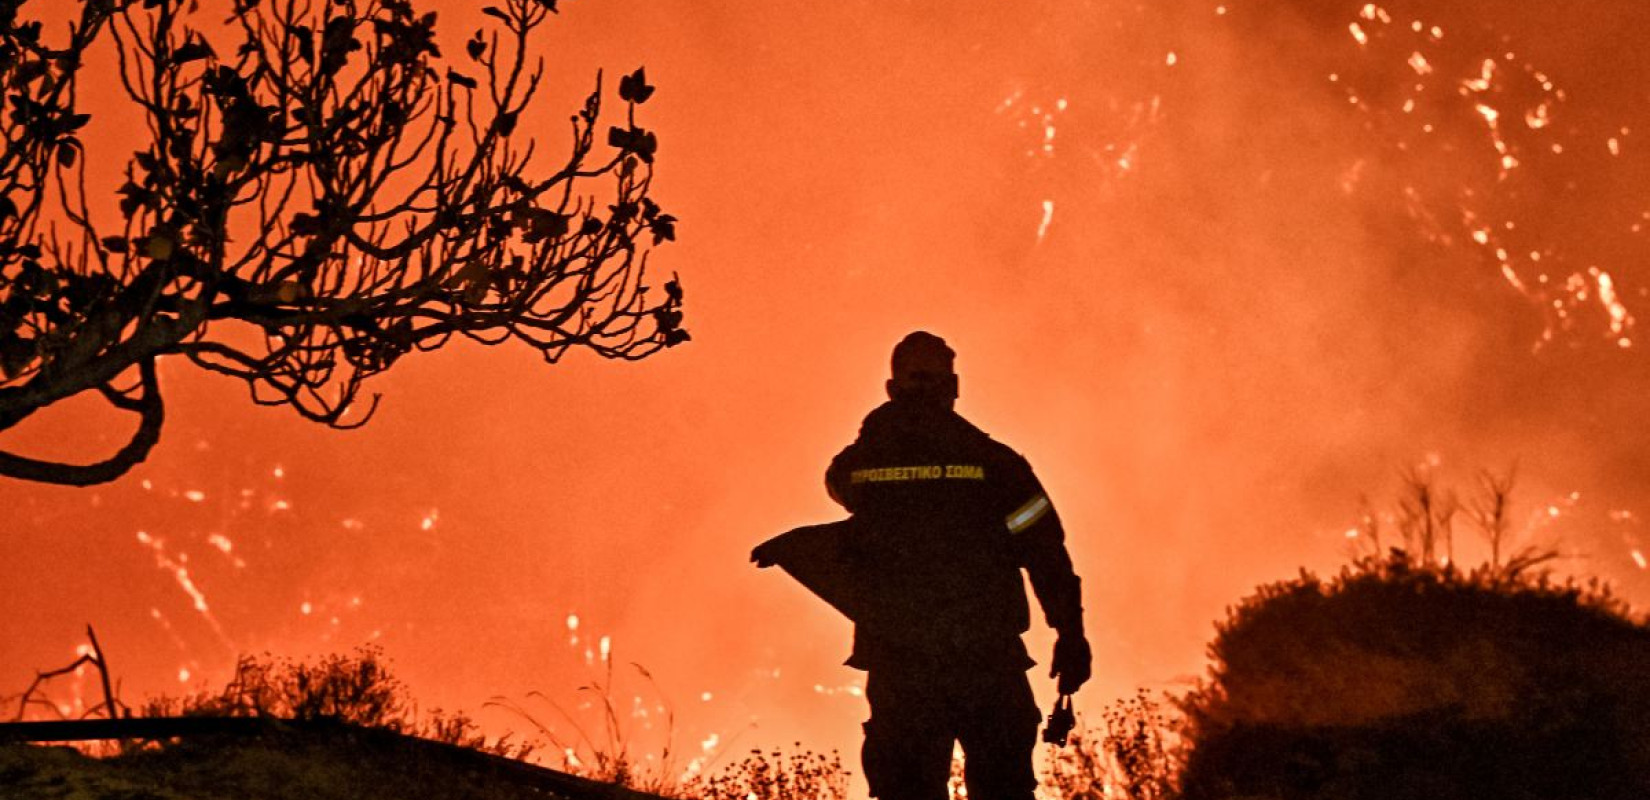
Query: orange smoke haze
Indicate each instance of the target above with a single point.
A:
(1199, 263)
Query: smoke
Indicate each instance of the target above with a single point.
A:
(1207, 294)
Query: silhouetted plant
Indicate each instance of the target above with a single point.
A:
(603, 752)
(800, 775)
(1133, 755)
(355, 689)
(1401, 677)
(92, 655)
(1425, 513)
(314, 194)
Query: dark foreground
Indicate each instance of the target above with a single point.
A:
(336, 762)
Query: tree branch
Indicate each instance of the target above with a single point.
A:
(151, 413)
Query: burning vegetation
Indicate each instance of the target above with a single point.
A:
(1407, 674)
(1403, 676)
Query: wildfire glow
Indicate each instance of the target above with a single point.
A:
(1260, 272)
(1499, 87)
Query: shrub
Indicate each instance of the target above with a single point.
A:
(801, 775)
(354, 689)
(1132, 755)
(1399, 678)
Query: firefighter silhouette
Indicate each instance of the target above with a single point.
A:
(928, 569)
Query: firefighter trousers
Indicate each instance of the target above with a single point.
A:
(917, 714)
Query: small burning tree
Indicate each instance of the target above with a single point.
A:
(310, 199)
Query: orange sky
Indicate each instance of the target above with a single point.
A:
(1211, 293)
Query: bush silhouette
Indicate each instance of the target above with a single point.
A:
(1398, 678)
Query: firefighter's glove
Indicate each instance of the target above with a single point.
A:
(1072, 662)
(762, 556)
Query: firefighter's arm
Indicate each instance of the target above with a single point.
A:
(1039, 540)
(1041, 544)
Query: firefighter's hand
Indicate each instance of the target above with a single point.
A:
(761, 557)
(1072, 662)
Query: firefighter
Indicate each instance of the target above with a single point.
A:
(948, 518)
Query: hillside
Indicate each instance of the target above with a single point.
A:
(285, 761)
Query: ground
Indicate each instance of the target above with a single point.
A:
(341, 764)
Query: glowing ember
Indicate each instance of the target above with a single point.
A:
(180, 573)
(1048, 216)
(1620, 319)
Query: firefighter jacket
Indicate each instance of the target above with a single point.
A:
(945, 519)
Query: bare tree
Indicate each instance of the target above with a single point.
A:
(311, 198)
(1426, 517)
(1491, 510)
